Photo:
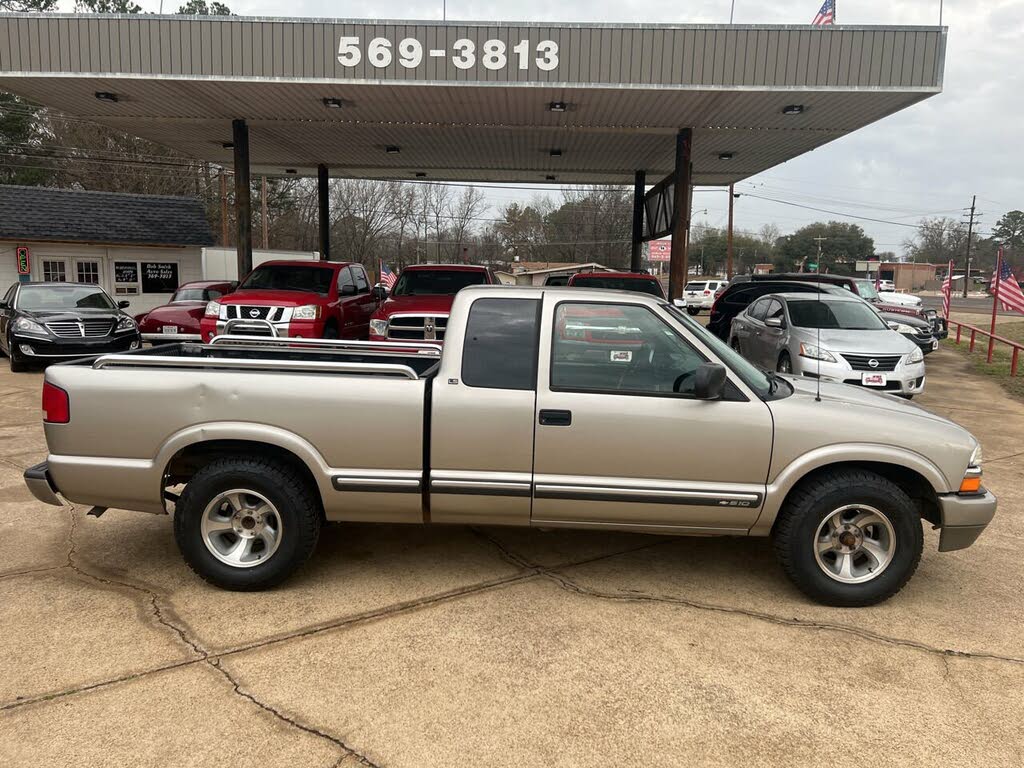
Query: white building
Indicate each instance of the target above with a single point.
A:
(137, 247)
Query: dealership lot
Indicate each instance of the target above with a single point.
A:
(409, 646)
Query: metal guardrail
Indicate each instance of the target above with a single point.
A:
(992, 339)
(277, 366)
(349, 345)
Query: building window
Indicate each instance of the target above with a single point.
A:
(126, 278)
(88, 272)
(54, 272)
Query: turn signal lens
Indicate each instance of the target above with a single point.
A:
(56, 406)
(971, 484)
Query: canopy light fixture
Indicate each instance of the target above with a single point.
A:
(290, 170)
(556, 153)
(793, 109)
(332, 103)
(725, 155)
(550, 177)
(228, 145)
(420, 175)
(557, 106)
(106, 96)
(392, 149)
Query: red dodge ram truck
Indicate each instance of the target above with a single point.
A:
(419, 304)
(302, 299)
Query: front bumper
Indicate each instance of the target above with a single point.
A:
(963, 518)
(168, 338)
(33, 347)
(306, 329)
(907, 379)
(41, 485)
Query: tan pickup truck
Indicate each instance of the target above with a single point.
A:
(564, 407)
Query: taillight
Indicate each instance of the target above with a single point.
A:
(707, 293)
(56, 406)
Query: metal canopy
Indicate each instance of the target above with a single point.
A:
(458, 101)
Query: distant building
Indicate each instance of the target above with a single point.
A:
(553, 271)
(137, 247)
(763, 269)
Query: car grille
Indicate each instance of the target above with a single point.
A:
(74, 329)
(418, 327)
(862, 362)
(273, 314)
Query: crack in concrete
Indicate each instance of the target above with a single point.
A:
(566, 583)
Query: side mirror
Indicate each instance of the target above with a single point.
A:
(774, 322)
(709, 381)
(681, 303)
(3, 305)
(123, 304)
(347, 290)
(379, 293)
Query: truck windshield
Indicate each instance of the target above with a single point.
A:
(288, 277)
(765, 387)
(826, 313)
(866, 290)
(43, 298)
(440, 282)
(636, 284)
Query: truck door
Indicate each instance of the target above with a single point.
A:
(482, 415)
(617, 445)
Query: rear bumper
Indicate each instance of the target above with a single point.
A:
(168, 338)
(964, 518)
(38, 480)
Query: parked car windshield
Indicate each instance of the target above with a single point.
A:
(188, 294)
(826, 313)
(636, 284)
(752, 376)
(441, 282)
(282, 277)
(866, 290)
(43, 298)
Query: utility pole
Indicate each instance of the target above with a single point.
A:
(970, 232)
(818, 241)
(728, 236)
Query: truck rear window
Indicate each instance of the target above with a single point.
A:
(636, 284)
(500, 350)
(443, 282)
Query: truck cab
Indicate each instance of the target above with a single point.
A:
(421, 301)
(301, 299)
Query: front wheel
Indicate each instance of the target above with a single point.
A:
(849, 538)
(693, 310)
(15, 359)
(246, 523)
(785, 363)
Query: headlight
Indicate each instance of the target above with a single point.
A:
(816, 353)
(212, 309)
(306, 312)
(379, 327)
(126, 324)
(917, 356)
(25, 325)
(976, 456)
(903, 328)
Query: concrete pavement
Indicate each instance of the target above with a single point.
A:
(407, 646)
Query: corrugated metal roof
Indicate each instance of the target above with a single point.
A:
(181, 80)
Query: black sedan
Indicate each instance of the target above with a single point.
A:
(45, 322)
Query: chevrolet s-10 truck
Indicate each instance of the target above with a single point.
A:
(548, 407)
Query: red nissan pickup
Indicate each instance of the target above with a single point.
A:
(418, 307)
(301, 299)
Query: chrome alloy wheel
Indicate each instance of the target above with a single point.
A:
(241, 528)
(854, 544)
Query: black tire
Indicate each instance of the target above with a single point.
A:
(331, 331)
(295, 503)
(735, 344)
(15, 359)
(806, 511)
(693, 310)
(904, 396)
(785, 364)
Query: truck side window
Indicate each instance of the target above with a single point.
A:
(500, 348)
(345, 278)
(362, 285)
(619, 349)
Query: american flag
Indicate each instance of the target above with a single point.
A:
(387, 276)
(947, 291)
(827, 14)
(1006, 287)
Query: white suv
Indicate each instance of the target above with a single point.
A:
(702, 295)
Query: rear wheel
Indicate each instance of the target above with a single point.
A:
(246, 523)
(849, 538)
(785, 363)
(693, 310)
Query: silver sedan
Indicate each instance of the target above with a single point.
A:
(834, 338)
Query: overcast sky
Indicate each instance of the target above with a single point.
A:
(928, 159)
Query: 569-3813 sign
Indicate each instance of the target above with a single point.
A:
(410, 53)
